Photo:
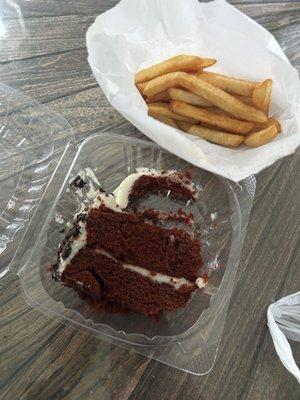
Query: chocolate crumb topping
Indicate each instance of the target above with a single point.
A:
(66, 250)
(78, 182)
(73, 233)
(81, 217)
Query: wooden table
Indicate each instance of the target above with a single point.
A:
(40, 358)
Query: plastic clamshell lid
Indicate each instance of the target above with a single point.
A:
(33, 141)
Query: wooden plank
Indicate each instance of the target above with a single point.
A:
(53, 351)
(87, 112)
(268, 378)
(48, 8)
(269, 8)
(50, 77)
(48, 35)
(288, 39)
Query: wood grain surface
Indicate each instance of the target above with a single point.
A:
(44, 56)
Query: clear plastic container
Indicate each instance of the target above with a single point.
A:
(187, 339)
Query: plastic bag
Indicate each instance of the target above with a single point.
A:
(284, 323)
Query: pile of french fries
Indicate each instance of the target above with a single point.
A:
(223, 110)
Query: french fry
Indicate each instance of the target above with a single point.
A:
(245, 99)
(258, 126)
(188, 97)
(163, 96)
(262, 95)
(262, 137)
(218, 137)
(181, 62)
(223, 100)
(184, 126)
(211, 93)
(229, 84)
(218, 111)
(211, 118)
(269, 122)
(162, 83)
(164, 119)
(158, 104)
(141, 87)
(163, 109)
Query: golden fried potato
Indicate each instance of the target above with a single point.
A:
(215, 95)
(181, 62)
(260, 138)
(188, 97)
(262, 95)
(211, 118)
(163, 109)
(162, 118)
(218, 137)
(163, 96)
(229, 84)
(269, 122)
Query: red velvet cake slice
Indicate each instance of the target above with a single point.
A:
(117, 256)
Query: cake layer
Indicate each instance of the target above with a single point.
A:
(105, 280)
(153, 184)
(130, 240)
(145, 181)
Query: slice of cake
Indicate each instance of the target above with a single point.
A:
(118, 256)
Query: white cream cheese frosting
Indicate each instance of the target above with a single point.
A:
(77, 244)
(157, 277)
